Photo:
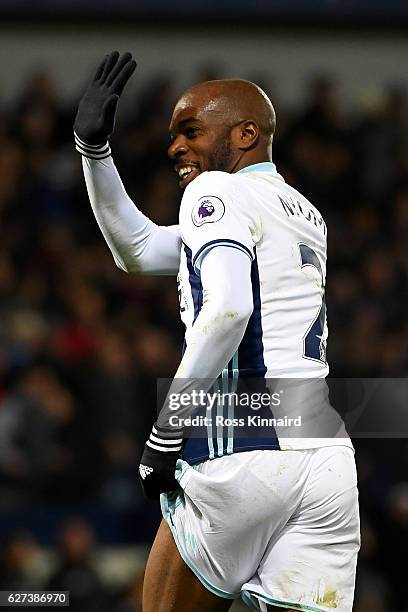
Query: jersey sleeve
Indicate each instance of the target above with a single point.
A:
(137, 244)
(214, 213)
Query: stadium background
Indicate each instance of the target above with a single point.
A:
(81, 343)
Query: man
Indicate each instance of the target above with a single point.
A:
(278, 523)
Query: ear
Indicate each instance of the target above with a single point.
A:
(245, 135)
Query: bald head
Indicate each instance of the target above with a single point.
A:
(232, 101)
(221, 125)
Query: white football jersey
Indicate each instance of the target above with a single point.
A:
(284, 235)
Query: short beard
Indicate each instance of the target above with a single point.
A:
(222, 156)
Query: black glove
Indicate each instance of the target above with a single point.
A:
(158, 463)
(95, 118)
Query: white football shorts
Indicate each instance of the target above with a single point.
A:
(271, 526)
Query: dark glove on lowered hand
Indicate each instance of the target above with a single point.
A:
(158, 463)
(95, 118)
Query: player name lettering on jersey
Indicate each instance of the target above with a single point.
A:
(293, 208)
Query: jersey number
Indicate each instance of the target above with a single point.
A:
(314, 345)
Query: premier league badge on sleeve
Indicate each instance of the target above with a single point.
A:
(208, 209)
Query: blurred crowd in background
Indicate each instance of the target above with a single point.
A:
(82, 343)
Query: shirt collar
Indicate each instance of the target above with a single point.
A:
(261, 167)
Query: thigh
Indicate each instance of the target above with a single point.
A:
(170, 586)
(225, 512)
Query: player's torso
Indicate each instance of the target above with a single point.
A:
(286, 335)
(287, 332)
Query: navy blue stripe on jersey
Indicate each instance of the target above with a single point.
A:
(309, 257)
(250, 363)
(221, 242)
(251, 349)
(195, 283)
(195, 450)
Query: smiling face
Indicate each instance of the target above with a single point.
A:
(200, 139)
(220, 125)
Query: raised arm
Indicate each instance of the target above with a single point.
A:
(137, 244)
